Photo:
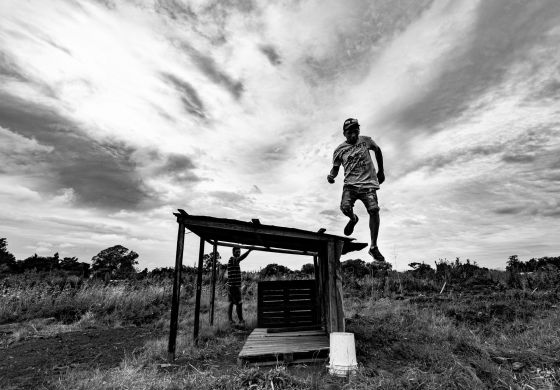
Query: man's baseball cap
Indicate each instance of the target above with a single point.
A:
(350, 123)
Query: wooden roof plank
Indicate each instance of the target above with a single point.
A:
(257, 234)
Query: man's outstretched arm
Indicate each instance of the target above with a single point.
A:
(333, 174)
(244, 255)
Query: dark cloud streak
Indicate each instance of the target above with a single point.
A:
(178, 167)
(505, 31)
(101, 175)
(209, 67)
(271, 53)
(189, 96)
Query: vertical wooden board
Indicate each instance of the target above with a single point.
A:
(260, 318)
(323, 287)
(213, 283)
(331, 288)
(176, 292)
(338, 287)
(317, 290)
(286, 305)
(198, 291)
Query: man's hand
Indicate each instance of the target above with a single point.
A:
(381, 176)
(330, 179)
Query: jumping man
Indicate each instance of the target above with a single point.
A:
(234, 284)
(360, 179)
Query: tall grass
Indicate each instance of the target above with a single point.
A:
(128, 302)
(408, 335)
(399, 344)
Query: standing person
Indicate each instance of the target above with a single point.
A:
(360, 179)
(234, 284)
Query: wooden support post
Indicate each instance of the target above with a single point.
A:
(334, 288)
(338, 287)
(176, 292)
(198, 291)
(330, 289)
(316, 270)
(323, 286)
(213, 283)
(318, 289)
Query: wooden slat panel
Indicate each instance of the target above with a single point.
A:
(293, 295)
(283, 303)
(288, 305)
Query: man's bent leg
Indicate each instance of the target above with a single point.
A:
(347, 208)
(374, 226)
(230, 311)
(372, 206)
(239, 309)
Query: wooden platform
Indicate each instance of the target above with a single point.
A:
(264, 348)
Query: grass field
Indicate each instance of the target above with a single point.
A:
(460, 339)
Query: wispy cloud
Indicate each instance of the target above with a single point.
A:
(116, 113)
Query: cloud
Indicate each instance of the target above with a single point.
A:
(550, 89)
(510, 210)
(228, 197)
(515, 158)
(100, 174)
(189, 96)
(331, 215)
(209, 67)
(9, 70)
(456, 156)
(504, 31)
(177, 167)
(19, 154)
(271, 53)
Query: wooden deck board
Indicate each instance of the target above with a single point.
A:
(262, 347)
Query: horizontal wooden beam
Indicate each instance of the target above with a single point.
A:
(262, 249)
(192, 222)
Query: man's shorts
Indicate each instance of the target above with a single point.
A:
(368, 196)
(234, 294)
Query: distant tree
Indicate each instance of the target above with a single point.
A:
(73, 266)
(308, 269)
(163, 273)
(116, 260)
(7, 260)
(356, 267)
(40, 263)
(514, 264)
(207, 261)
(421, 270)
(68, 263)
(275, 270)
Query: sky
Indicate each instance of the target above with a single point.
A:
(114, 114)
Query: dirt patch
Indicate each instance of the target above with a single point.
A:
(35, 362)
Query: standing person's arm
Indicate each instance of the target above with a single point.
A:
(244, 255)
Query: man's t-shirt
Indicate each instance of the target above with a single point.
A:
(359, 170)
(234, 272)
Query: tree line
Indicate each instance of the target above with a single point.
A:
(115, 262)
(118, 262)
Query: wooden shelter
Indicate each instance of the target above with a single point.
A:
(310, 308)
